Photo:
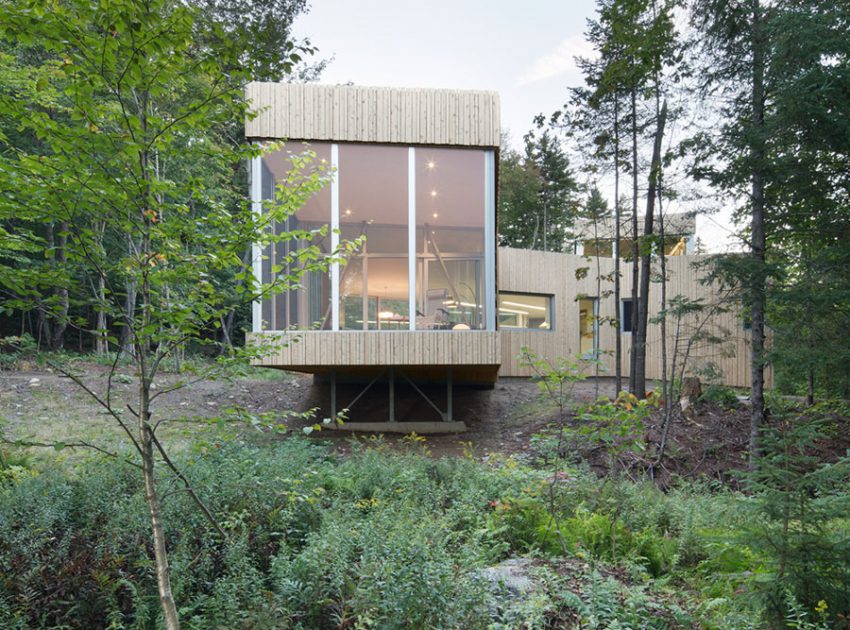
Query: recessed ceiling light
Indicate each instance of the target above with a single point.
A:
(433, 193)
(431, 164)
(436, 215)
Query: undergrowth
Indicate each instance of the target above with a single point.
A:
(381, 539)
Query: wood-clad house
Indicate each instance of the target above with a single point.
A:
(429, 296)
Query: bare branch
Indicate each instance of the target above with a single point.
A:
(201, 505)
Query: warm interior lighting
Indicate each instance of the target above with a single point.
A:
(348, 212)
(386, 315)
(515, 312)
(431, 164)
(536, 308)
(433, 193)
(436, 215)
(456, 303)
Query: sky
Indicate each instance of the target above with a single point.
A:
(522, 50)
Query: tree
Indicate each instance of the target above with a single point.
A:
(780, 69)
(137, 90)
(536, 195)
(557, 189)
(262, 31)
(809, 150)
(635, 40)
(733, 38)
(519, 190)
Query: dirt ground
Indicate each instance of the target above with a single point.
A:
(40, 405)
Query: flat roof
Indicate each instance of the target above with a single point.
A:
(350, 113)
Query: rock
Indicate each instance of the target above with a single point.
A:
(34, 382)
(511, 576)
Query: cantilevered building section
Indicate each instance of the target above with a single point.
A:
(415, 178)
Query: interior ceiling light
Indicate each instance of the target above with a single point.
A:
(348, 212)
(433, 193)
(536, 308)
(436, 215)
(431, 164)
(515, 312)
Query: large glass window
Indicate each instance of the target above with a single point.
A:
(450, 212)
(373, 204)
(525, 310)
(310, 305)
(395, 199)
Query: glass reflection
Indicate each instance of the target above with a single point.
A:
(373, 205)
(450, 211)
(523, 310)
(309, 306)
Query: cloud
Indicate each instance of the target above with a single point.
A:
(558, 62)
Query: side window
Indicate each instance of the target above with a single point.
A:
(588, 326)
(626, 311)
(530, 311)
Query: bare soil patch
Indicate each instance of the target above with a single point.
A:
(41, 405)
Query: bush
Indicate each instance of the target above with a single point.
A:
(380, 539)
(722, 396)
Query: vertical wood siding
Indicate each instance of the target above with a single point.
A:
(568, 278)
(344, 113)
(324, 348)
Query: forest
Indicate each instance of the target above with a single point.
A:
(150, 477)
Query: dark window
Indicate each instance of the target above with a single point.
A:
(626, 316)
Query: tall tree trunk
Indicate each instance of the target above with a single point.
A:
(146, 375)
(56, 318)
(639, 336)
(126, 339)
(666, 389)
(618, 339)
(635, 246)
(758, 279)
(163, 576)
(101, 347)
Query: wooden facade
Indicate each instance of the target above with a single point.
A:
(473, 355)
(345, 113)
(470, 119)
(723, 342)
(566, 278)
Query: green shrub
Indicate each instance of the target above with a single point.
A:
(380, 539)
(799, 522)
(722, 396)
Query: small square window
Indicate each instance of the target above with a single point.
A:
(525, 310)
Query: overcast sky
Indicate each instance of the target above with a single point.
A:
(522, 50)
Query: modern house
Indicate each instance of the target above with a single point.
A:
(429, 298)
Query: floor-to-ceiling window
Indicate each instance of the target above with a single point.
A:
(373, 205)
(450, 239)
(424, 216)
(309, 305)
